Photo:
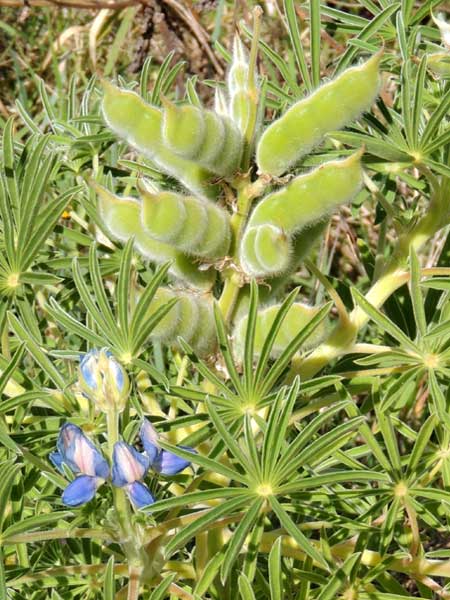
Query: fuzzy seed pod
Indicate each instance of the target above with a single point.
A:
(191, 318)
(266, 247)
(305, 124)
(210, 139)
(298, 316)
(183, 129)
(140, 125)
(191, 225)
(122, 218)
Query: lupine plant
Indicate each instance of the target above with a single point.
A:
(202, 399)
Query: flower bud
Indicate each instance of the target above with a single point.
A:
(104, 380)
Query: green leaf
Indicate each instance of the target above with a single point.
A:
(420, 445)
(9, 472)
(160, 592)
(295, 532)
(205, 462)
(123, 286)
(339, 578)
(245, 588)
(235, 544)
(372, 27)
(8, 372)
(227, 352)
(315, 36)
(283, 360)
(109, 588)
(383, 322)
(249, 343)
(38, 355)
(437, 283)
(277, 426)
(275, 572)
(35, 522)
(209, 574)
(416, 295)
(294, 34)
(230, 442)
(227, 508)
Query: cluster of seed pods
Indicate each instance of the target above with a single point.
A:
(200, 148)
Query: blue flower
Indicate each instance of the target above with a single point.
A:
(161, 461)
(104, 380)
(76, 451)
(128, 470)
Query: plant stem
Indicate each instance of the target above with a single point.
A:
(129, 538)
(247, 192)
(342, 338)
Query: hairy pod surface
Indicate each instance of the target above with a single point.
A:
(209, 139)
(140, 124)
(267, 243)
(195, 226)
(183, 129)
(191, 318)
(122, 218)
(305, 124)
(298, 316)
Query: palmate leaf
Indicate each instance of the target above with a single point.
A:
(226, 508)
(127, 332)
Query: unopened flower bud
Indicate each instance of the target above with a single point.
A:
(104, 380)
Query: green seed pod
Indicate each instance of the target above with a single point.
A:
(301, 247)
(265, 250)
(204, 339)
(122, 218)
(140, 125)
(305, 124)
(231, 151)
(166, 329)
(214, 138)
(191, 318)
(163, 214)
(183, 129)
(298, 316)
(193, 133)
(191, 225)
(439, 64)
(266, 247)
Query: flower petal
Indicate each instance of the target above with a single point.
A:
(88, 366)
(149, 439)
(80, 454)
(57, 460)
(80, 490)
(139, 494)
(168, 463)
(129, 465)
